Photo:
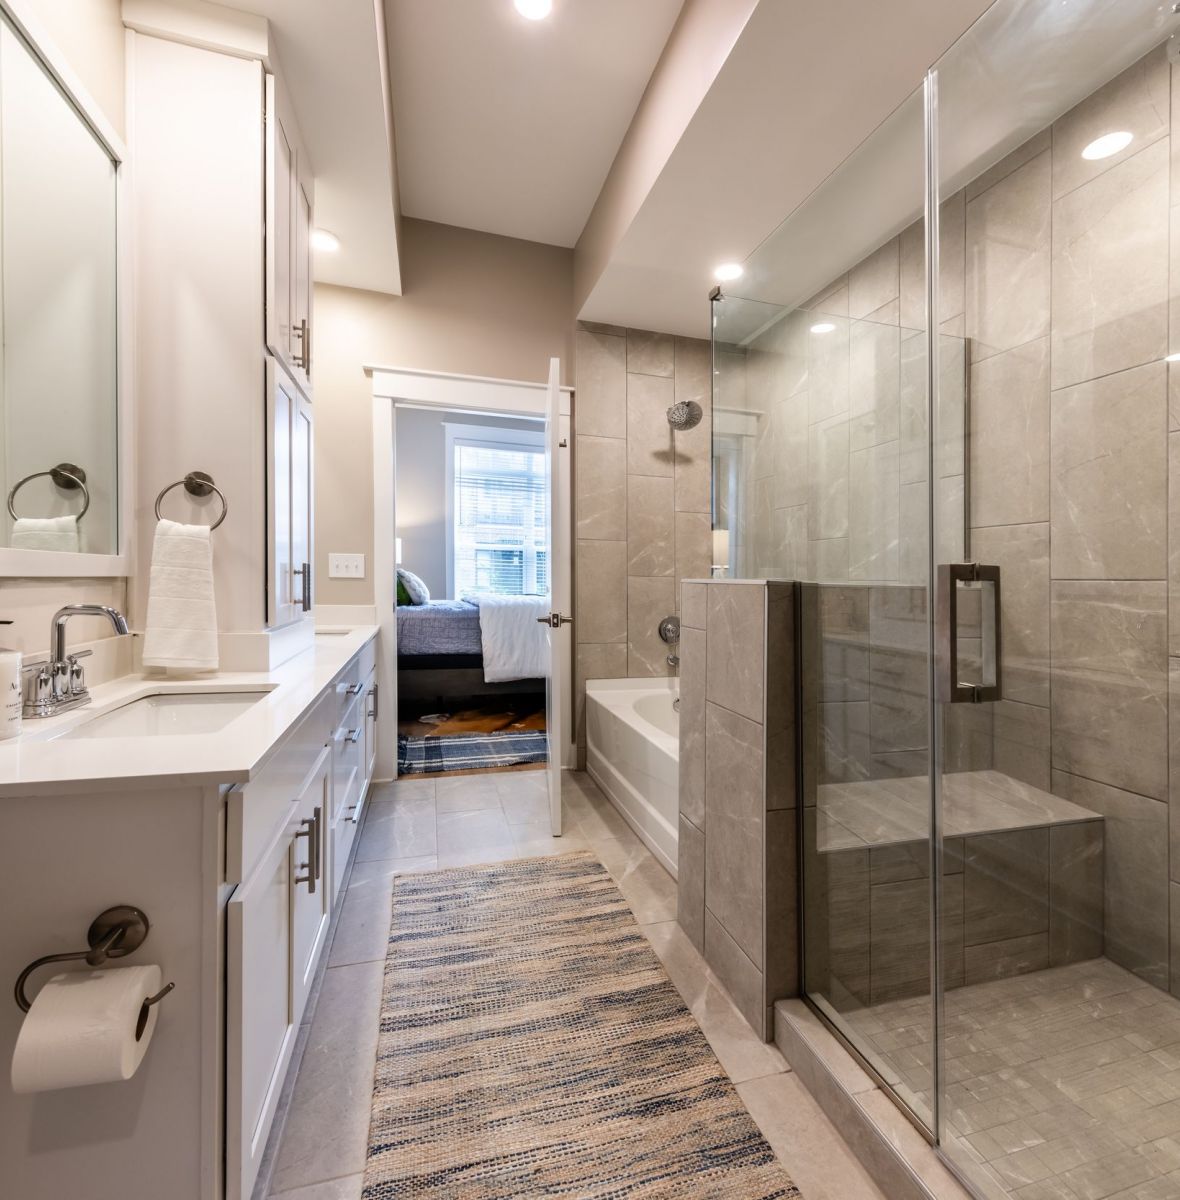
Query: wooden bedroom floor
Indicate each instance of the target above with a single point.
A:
(488, 718)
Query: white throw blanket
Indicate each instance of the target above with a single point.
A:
(514, 644)
(45, 533)
(181, 615)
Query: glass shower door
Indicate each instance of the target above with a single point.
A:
(1055, 167)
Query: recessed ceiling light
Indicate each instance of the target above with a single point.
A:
(728, 271)
(534, 10)
(823, 327)
(321, 239)
(1108, 144)
(1172, 358)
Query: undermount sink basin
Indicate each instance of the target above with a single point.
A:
(168, 714)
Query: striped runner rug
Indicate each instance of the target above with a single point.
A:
(470, 751)
(531, 1045)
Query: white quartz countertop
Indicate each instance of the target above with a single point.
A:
(41, 761)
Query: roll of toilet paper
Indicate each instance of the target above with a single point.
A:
(81, 1029)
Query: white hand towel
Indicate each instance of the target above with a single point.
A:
(181, 614)
(46, 533)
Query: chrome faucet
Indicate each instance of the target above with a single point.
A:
(60, 684)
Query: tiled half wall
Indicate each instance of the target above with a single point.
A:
(738, 842)
(641, 497)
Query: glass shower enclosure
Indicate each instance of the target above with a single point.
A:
(943, 404)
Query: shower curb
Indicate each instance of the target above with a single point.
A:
(897, 1157)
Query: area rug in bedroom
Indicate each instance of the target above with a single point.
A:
(531, 1045)
(469, 751)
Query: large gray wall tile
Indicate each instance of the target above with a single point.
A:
(782, 905)
(1110, 477)
(1006, 885)
(694, 604)
(651, 526)
(1010, 436)
(1076, 881)
(1136, 873)
(692, 725)
(595, 660)
(1008, 250)
(874, 494)
(649, 601)
(874, 383)
(827, 500)
(737, 647)
(650, 445)
(601, 398)
(1022, 554)
(600, 501)
(1022, 743)
(735, 818)
(873, 282)
(690, 883)
(601, 571)
(694, 547)
(650, 353)
(1110, 270)
(1110, 683)
(1002, 960)
(740, 977)
(781, 717)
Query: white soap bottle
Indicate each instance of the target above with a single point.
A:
(10, 693)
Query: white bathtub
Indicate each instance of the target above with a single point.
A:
(633, 754)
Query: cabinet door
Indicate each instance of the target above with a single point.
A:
(290, 499)
(302, 281)
(372, 697)
(260, 1012)
(280, 226)
(310, 891)
(302, 499)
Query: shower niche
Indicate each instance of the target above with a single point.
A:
(955, 355)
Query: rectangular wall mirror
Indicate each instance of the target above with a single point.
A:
(59, 319)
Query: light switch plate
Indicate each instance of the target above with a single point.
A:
(346, 566)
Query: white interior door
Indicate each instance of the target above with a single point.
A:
(556, 445)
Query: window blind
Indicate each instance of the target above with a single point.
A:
(501, 496)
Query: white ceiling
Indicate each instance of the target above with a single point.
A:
(803, 86)
(509, 126)
(329, 53)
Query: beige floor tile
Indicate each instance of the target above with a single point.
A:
(386, 868)
(805, 1141)
(327, 1126)
(403, 829)
(648, 889)
(348, 1188)
(526, 807)
(470, 793)
(535, 839)
(481, 830)
(742, 1053)
(362, 932)
(408, 788)
(683, 962)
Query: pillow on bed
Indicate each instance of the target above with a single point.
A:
(416, 590)
(403, 597)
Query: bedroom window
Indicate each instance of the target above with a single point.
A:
(497, 528)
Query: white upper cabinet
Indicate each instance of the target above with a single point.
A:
(290, 192)
(290, 498)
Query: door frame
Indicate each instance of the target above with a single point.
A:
(392, 386)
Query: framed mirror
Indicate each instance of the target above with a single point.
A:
(63, 398)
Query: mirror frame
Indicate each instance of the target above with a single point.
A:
(51, 564)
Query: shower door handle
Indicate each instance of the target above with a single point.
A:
(951, 688)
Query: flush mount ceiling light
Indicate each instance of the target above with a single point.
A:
(728, 271)
(823, 327)
(321, 239)
(1108, 144)
(1172, 358)
(534, 10)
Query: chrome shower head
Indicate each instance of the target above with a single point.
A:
(685, 414)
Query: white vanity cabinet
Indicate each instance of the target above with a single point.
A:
(290, 193)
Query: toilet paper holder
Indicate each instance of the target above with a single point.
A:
(114, 933)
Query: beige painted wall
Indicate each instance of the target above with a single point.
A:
(474, 304)
(89, 33)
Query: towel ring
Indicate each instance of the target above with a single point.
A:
(200, 485)
(65, 475)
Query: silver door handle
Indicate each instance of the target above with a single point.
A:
(304, 572)
(373, 693)
(951, 689)
(303, 358)
(555, 620)
(353, 736)
(310, 830)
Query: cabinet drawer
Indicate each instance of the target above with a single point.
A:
(256, 808)
(350, 681)
(348, 750)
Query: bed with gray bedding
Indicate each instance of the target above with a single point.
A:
(440, 654)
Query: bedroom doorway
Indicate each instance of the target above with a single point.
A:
(472, 568)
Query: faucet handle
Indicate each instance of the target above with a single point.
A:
(73, 658)
(77, 674)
